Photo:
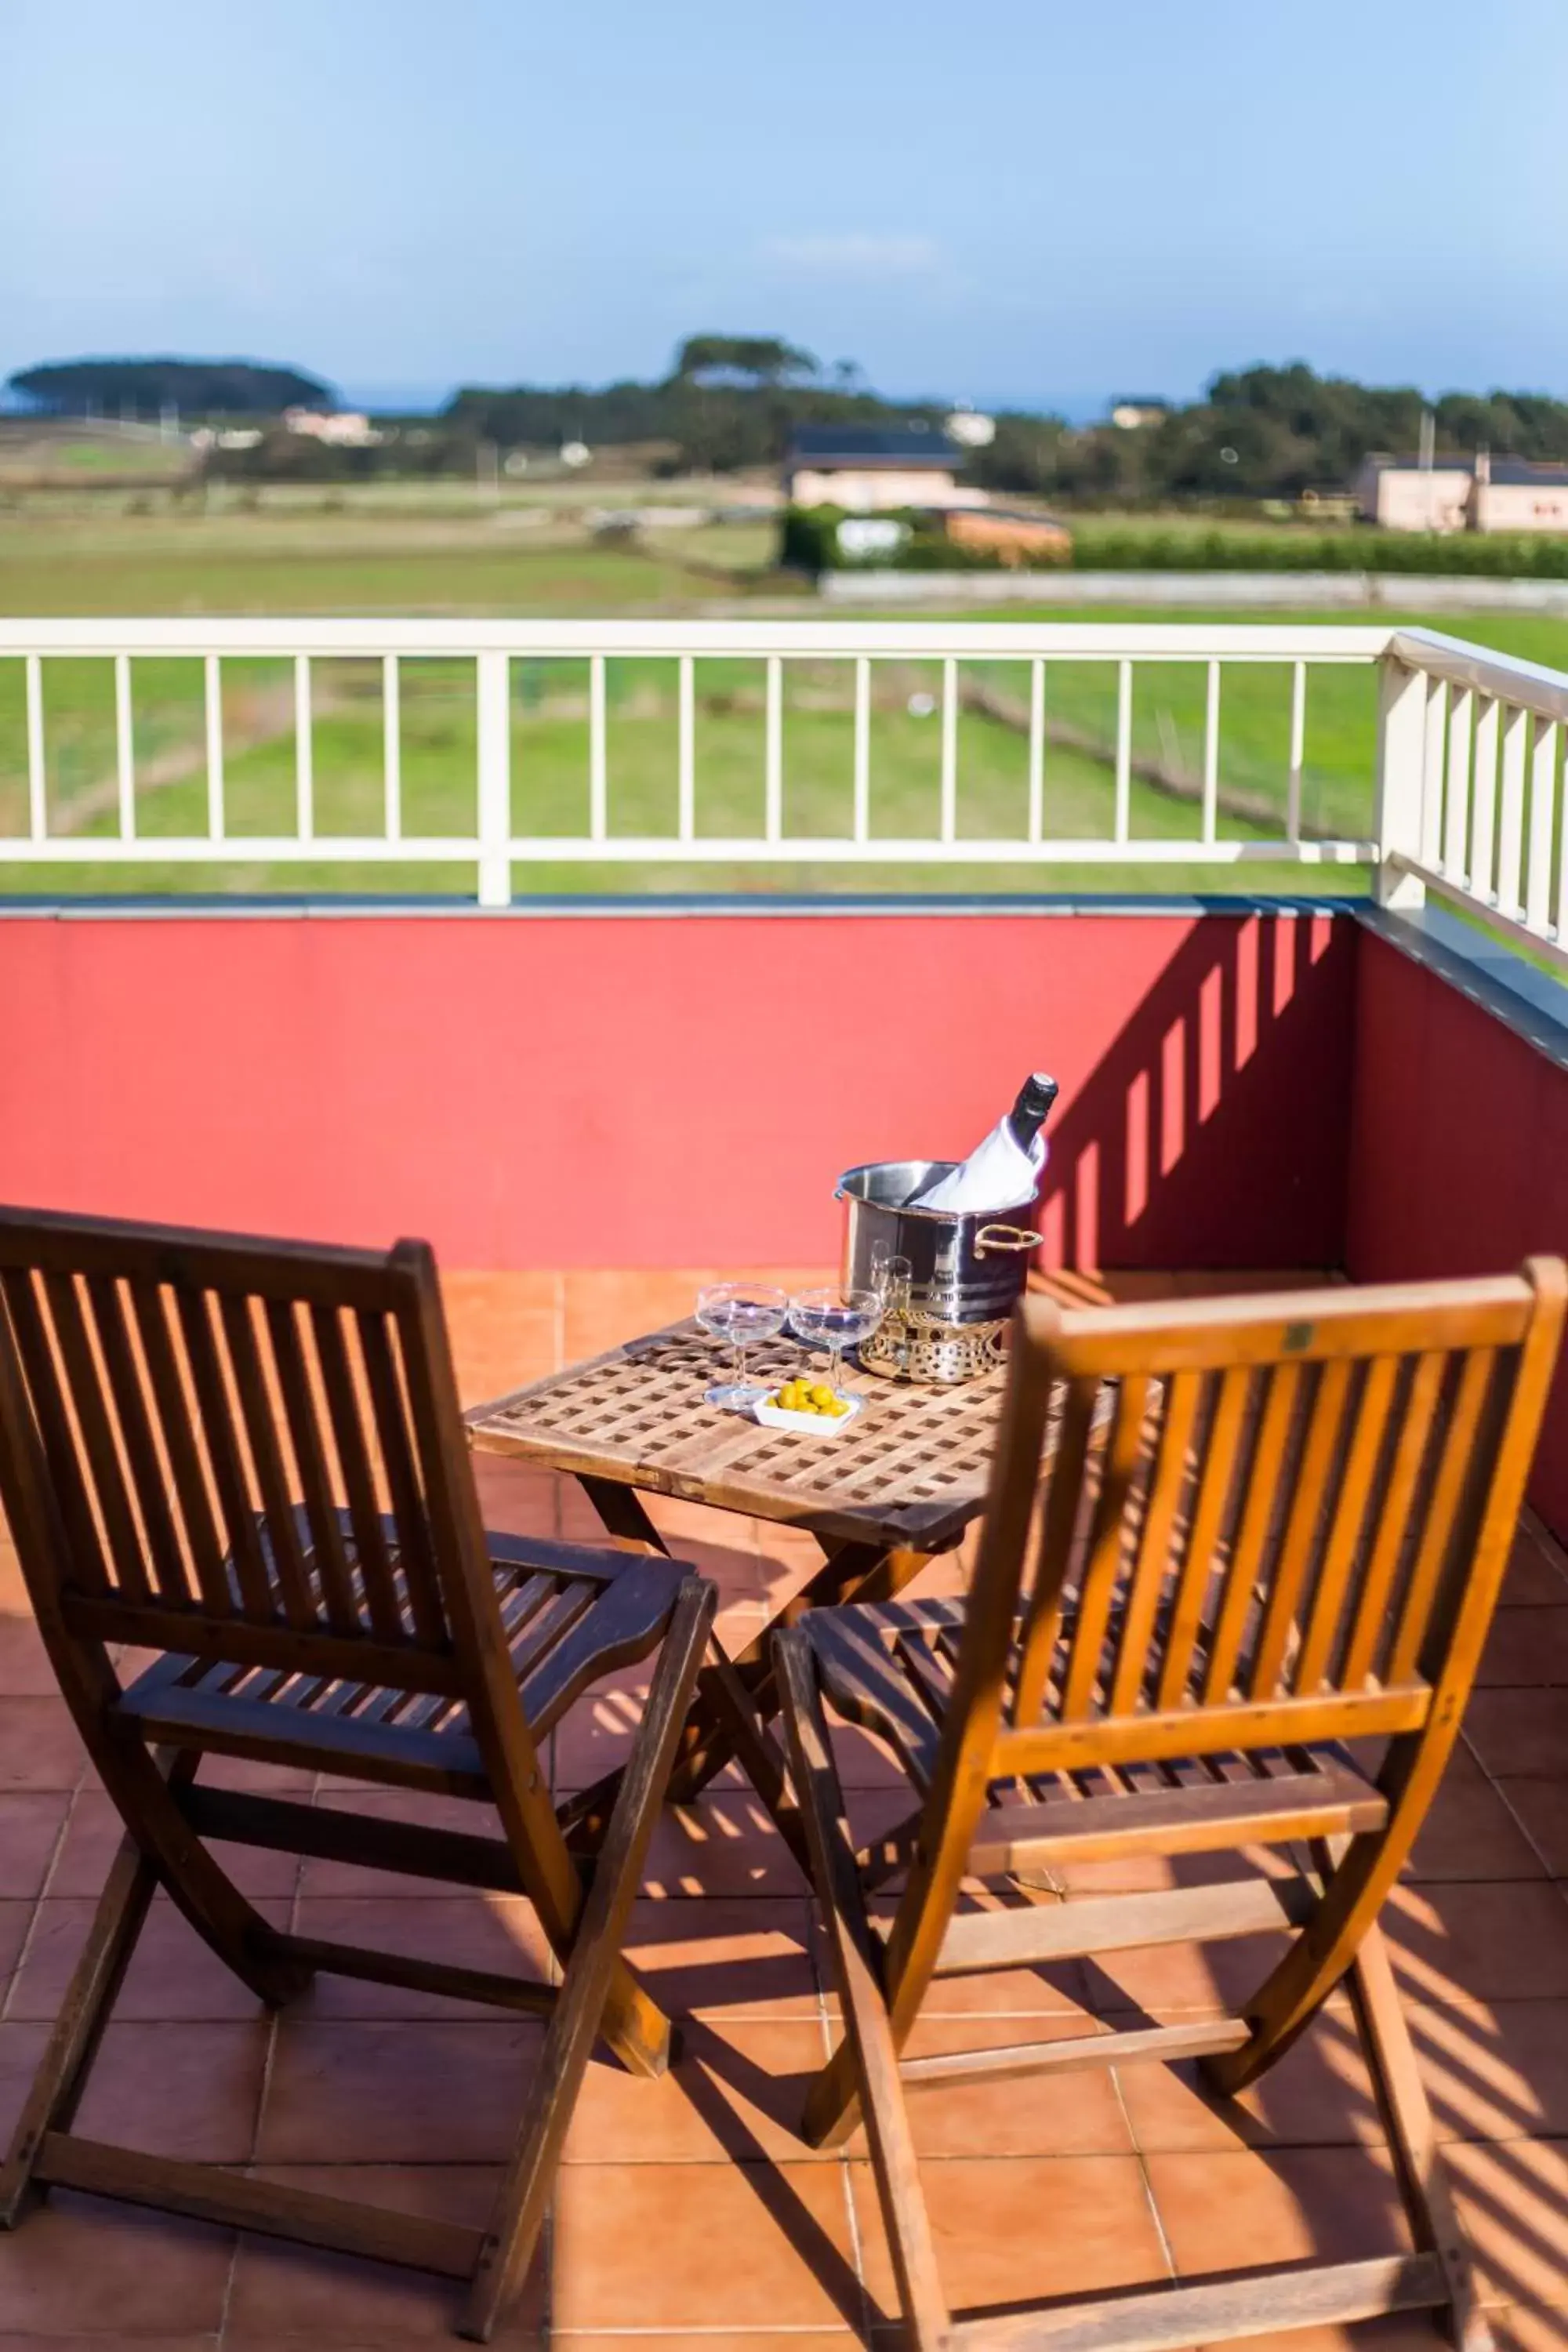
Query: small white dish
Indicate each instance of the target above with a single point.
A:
(809, 1425)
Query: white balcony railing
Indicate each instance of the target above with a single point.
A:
(800, 743)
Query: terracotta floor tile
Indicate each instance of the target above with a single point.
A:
(1513, 2200)
(748, 1957)
(1470, 1832)
(1076, 2114)
(25, 1668)
(1518, 2328)
(724, 1844)
(1536, 1572)
(92, 1840)
(1172, 1981)
(735, 2094)
(1526, 1646)
(1518, 1732)
(356, 2091)
(1018, 2231)
(16, 1918)
(1292, 2204)
(1319, 2094)
(495, 1932)
(515, 1498)
(741, 2339)
(77, 2265)
(39, 1744)
(1490, 1942)
(288, 2295)
(173, 1974)
(1495, 2073)
(29, 1838)
(673, 2246)
(188, 2091)
(1541, 1807)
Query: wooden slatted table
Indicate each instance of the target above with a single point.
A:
(900, 1484)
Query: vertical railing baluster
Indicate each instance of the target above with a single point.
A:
(38, 774)
(304, 752)
(1542, 825)
(1037, 750)
(492, 682)
(1560, 788)
(598, 765)
(1298, 750)
(1123, 749)
(1456, 808)
(124, 748)
(1211, 754)
(392, 746)
(948, 820)
(1483, 800)
(213, 688)
(687, 751)
(862, 749)
(1510, 815)
(1432, 770)
(773, 752)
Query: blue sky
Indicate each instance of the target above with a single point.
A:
(1027, 201)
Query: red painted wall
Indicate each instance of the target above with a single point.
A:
(608, 1089)
(1459, 1154)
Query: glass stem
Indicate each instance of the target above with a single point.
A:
(740, 1363)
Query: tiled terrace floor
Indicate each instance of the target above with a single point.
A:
(688, 2214)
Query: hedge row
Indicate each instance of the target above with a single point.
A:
(809, 543)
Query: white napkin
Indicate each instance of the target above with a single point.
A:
(998, 1174)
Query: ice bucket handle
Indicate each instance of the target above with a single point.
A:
(1004, 1238)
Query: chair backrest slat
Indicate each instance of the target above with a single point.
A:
(1413, 1414)
(1043, 1618)
(1262, 1477)
(1455, 1468)
(1216, 1479)
(258, 1417)
(85, 1390)
(1369, 1418)
(234, 1503)
(37, 1362)
(1107, 1551)
(371, 1557)
(126, 1391)
(202, 1545)
(328, 1556)
(1170, 1473)
(388, 1406)
(1319, 1443)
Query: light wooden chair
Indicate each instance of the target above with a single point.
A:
(1270, 1526)
(249, 1458)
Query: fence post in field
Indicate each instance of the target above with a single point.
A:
(1401, 780)
(494, 732)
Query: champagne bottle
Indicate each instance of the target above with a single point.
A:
(1004, 1172)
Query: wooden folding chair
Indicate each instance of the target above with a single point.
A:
(1270, 1526)
(248, 1457)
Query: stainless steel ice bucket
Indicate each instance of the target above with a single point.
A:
(967, 1271)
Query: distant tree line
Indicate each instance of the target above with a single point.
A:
(194, 387)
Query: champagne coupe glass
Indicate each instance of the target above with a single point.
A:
(836, 1319)
(740, 1313)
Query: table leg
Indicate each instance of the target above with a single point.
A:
(623, 1514)
(850, 1571)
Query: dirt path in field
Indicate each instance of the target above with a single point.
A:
(253, 716)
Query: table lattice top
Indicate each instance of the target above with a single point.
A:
(911, 1469)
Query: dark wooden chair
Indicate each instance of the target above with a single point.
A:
(248, 1457)
(1270, 1526)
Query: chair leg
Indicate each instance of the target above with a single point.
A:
(868, 2032)
(246, 1942)
(591, 1966)
(62, 2073)
(1407, 2119)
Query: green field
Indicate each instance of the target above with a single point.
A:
(307, 561)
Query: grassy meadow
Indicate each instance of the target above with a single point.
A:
(63, 557)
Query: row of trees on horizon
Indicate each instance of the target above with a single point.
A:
(732, 402)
